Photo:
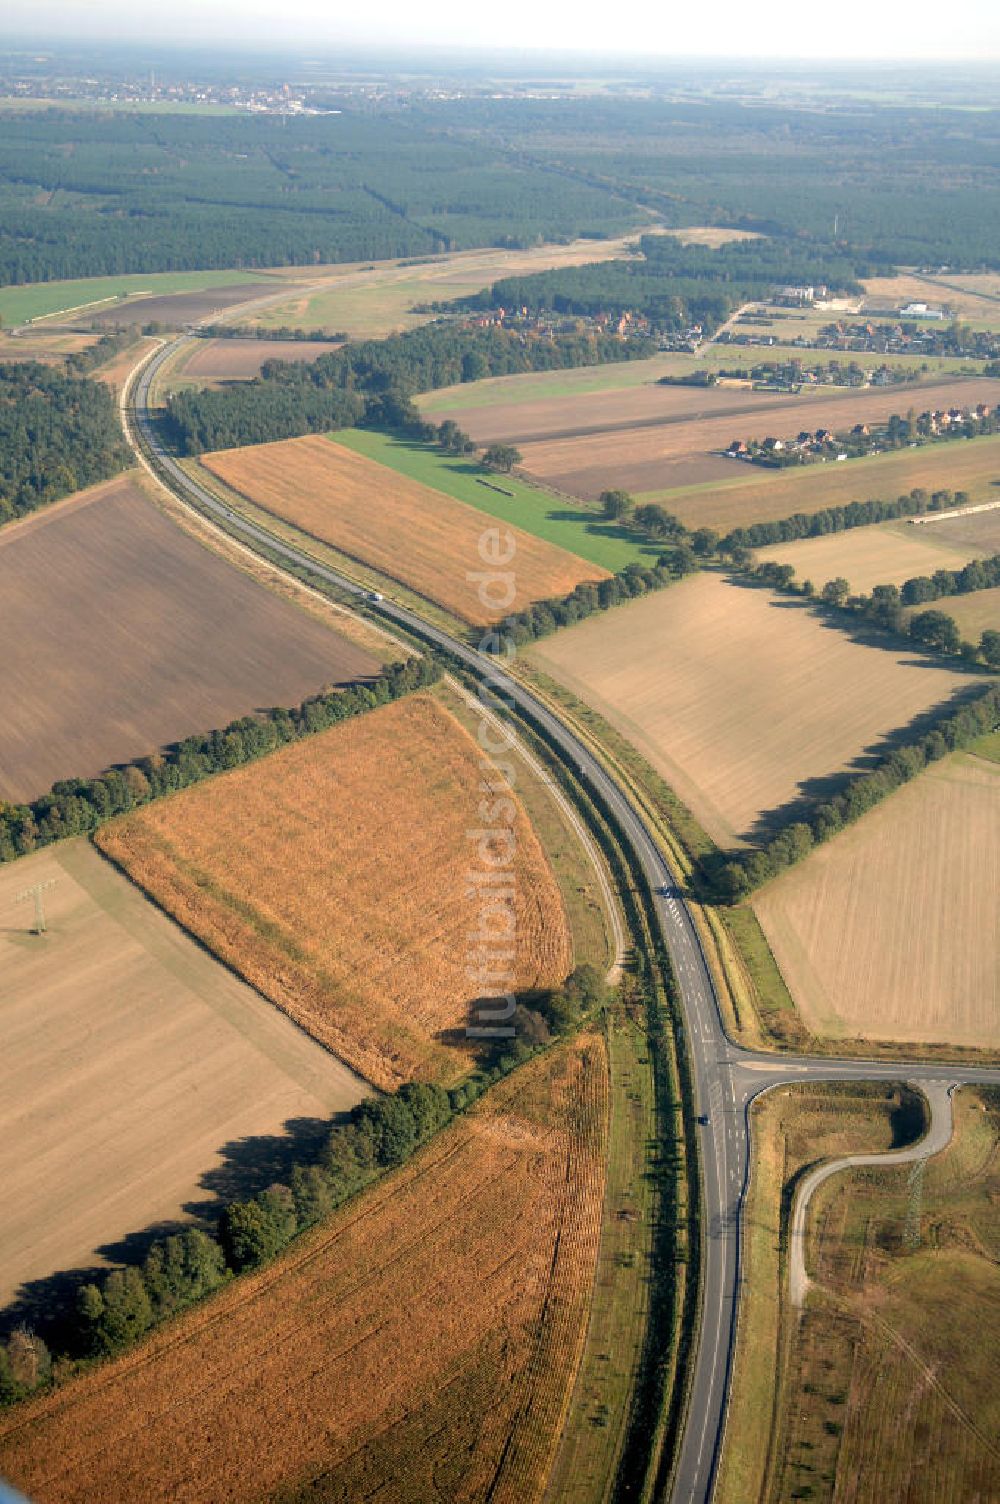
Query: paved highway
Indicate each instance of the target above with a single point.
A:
(726, 1078)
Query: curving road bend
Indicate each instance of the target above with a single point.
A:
(726, 1077)
(938, 1136)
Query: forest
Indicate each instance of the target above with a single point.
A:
(58, 433)
(676, 285)
(373, 382)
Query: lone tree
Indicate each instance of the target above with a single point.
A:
(616, 504)
(502, 457)
(835, 592)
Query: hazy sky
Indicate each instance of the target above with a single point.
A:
(861, 29)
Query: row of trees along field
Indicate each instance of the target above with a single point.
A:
(886, 607)
(380, 1134)
(78, 805)
(840, 519)
(372, 382)
(732, 875)
(58, 433)
(676, 285)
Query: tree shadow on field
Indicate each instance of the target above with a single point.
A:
(812, 791)
(247, 1166)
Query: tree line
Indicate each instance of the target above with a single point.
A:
(58, 433)
(732, 876)
(886, 606)
(838, 519)
(380, 1134)
(78, 805)
(372, 382)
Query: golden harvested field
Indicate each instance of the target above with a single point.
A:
(898, 1342)
(131, 1059)
(974, 298)
(372, 300)
(644, 453)
(980, 530)
(737, 696)
(927, 863)
(131, 635)
(975, 613)
(414, 534)
(419, 1345)
(759, 495)
(867, 556)
(215, 360)
(335, 877)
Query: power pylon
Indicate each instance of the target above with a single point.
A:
(35, 892)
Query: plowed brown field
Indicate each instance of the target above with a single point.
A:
(420, 1345)
(241, 359)
(739, 697)
(683, 450)
(336, 877)
(927, 863)
(414, 534)
(129, 635)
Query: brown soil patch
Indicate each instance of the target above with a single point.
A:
(421, 1344)
(241, 359)
(336, 876)
(174, 310)
(130, 635)
(407, 530)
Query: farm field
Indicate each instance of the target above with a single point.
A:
(791, 1126)
(927, 861)
(580, 529)
(896, 1327)
(216, 360)
(739, 697)
(759, 495)
(886, 554)
(308, 873)
(517, 392)
(377, 299)
(638, 453)
(975, 299)
(416, 535)
(49, 348)
(39, 300)
(132, 635)
(420, 1344)
(178, 308)
(981, 530)
(135, 1066)
(975, 613)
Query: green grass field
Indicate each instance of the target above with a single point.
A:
(37, 300)
(569, 523)
(537, 386)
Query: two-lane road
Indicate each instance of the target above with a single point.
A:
(725, 1077)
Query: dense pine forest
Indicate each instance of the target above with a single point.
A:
(58, 433)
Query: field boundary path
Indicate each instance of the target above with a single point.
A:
(725, 1077)
(937, 1137)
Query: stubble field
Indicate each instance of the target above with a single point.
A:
(131, 1059)
(216, 360)
(416, 535)
(421, 1344)
(641, 453)
(759, 495)
(131, 635)
(739, 697)
(891, 930)
(867, 556)
(975, 613)
(335, 877)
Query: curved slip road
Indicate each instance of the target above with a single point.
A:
(937, 1137)
(726, 1077)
